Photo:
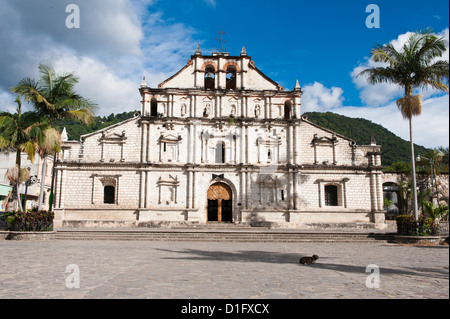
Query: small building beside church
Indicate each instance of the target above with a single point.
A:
(218, 142)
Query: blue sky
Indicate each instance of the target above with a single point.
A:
(309, 40)
(323, 44)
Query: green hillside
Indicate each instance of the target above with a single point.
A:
(75, 129)
(393, 148)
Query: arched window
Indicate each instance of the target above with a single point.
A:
(287, 110)
(109, 194)
(210, 78)
(153, 107)
(231, 78)
(331, 195)
(220, 153)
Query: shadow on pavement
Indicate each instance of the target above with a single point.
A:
(293, 258)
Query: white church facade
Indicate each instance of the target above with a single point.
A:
(218, 142)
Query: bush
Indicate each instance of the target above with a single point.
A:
(2, 221)
(436, 211)
(29, 221)
(406, 225)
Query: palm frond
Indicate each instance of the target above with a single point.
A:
(385, 53)
(83, 115)
(47, 76)
(29, 147)
(4, 142)
(436, 85)
(380, 75)
(432, 47)
(414, 66)
(32, 93)
(53, 96)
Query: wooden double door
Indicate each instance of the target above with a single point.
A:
(220, 203)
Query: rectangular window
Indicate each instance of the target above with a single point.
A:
(331, 195)
(109, 195)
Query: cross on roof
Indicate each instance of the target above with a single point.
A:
(221, 41)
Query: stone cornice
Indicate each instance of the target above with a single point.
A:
(227, 168)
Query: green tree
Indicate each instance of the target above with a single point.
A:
(23, 133)
(54, 97)
(413, 67)
(444, 162)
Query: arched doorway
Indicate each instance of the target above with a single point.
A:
(392, 200)
(220, 203)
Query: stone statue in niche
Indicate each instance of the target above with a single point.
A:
(257, 110)
(207, 110)
(233, 109)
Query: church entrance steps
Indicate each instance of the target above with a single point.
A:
(220, 226)
(222, 235)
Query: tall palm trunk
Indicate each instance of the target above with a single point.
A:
(18, 163)
(413, 165)
(43, 173)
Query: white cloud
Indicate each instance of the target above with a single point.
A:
(167, 47)
(8, 104)
(318, 98)
(430, 129)
(378, 94)
(108, 52)
(112, 93)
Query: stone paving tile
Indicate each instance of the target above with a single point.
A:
(217, 270)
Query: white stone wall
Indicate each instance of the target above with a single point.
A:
(161, 167)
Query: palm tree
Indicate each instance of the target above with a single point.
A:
(413, 67)
(23, 133)
(53, 97)
(50, 144)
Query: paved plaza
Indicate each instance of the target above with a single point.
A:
(238, 270)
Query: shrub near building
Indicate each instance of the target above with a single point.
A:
(32, 220)
(425, 226)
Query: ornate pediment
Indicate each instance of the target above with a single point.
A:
(168, 189)
(112, 137)
(170, 138)
(168, 181)
(269, 181)
(324, 140)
